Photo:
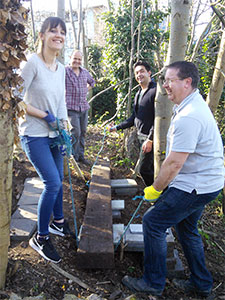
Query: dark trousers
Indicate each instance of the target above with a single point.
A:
(146, 164)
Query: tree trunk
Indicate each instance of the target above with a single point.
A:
(85, 55)
(177, 47)
(32, 21)
(80, 22)
(139, 29)
(61, 14)
(73, 25)
(6, 150)
(217, 84)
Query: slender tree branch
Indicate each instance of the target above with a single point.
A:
(118, 109)
(218, 13)
(105, 90)
(139, 28)
(197, 45)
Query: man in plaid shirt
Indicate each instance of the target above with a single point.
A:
(78, 83)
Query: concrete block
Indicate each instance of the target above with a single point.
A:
(33, 188)
(124, 186)
(135, 240)
(136, 228)
(28, 198)
(27, 212)
(118, 204)
(34, 184)
(116, 214)
(121, 183)
(22, 230)
(118, 230)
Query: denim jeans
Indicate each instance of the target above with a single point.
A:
(182, 210)
(79, 122)
(48, 162)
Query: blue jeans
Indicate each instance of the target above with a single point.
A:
(48, 162)
(79, 122)
(182, 210)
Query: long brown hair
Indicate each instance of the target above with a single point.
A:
(48, 24)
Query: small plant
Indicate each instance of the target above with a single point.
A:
(131, 269)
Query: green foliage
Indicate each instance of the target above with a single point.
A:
(94, 60)
(104, 106)
(116, 53)
(206, 61)
(121, 162)
(118, 37)
(217, 206)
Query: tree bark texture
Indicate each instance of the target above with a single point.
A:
(6, 150)
(217, 84)
(180, 10)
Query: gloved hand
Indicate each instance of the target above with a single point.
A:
(62, 149)
(113, 128)
(53, 123)
(151, 194)
(49, 118)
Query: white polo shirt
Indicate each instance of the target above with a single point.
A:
(193, 129)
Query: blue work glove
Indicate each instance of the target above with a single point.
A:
(49, 118)
(53, 123)
(62, 149)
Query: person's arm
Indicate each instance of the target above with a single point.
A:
(35, 112)
(169, 169)
(90, 81)
(89, 87)
(148, 144)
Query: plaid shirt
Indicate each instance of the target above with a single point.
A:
(76, 89)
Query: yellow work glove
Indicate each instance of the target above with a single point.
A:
(151, 194)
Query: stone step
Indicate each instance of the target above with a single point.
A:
(135, 240)
(124, 186)
(24, 219)
(118, 204)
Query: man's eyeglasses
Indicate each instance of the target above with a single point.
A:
(169, 81)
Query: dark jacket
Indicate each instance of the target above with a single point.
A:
(143, 114)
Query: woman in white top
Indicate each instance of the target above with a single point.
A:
(44, 81)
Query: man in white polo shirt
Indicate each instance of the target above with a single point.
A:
(193, 171)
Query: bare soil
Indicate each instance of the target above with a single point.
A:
(28, 274)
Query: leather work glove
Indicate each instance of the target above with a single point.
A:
(151, 194)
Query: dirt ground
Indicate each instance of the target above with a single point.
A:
(28, 274)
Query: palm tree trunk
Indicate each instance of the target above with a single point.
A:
(6, 161)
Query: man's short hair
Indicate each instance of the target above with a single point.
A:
(186, 69)
(144, 64)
